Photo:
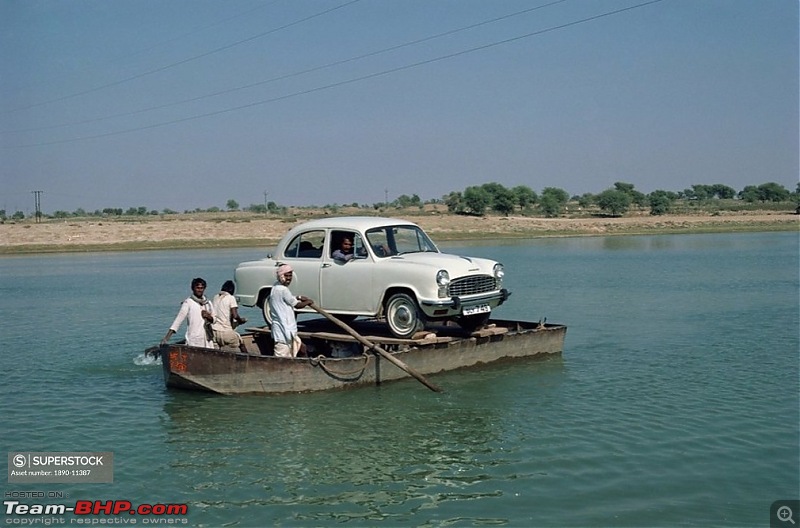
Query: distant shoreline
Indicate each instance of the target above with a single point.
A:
(239, 230)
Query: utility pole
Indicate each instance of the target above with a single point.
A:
(266, 211)
(386, 197)
(38, 201)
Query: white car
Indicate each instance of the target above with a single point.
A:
(396, 272)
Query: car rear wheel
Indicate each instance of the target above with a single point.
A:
(265, 310)
(403, 316)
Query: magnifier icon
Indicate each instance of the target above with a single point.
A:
(785, 514)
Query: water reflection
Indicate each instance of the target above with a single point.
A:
(367, 454)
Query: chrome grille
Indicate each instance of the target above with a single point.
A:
(471, 285)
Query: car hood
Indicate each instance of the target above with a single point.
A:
(456, 265)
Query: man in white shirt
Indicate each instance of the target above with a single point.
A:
(282, 305)
(199, 311)
(227, 318)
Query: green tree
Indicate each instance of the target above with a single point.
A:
(749, 194)
(723, 192)
(627, 188)
(19, 215)
(404, 201)
(476, 200)
(614, 201)
(702, 192)
(454, 202)
(560, 195)
(766, 192)
(496, 193)
(504, 201)
(660, 202)
(796, 199)
(552, 201)
(549, 205)
(232, 205)
(524, 195)
(773, 192)
(636, 197)
(493, 188)
(585, 200)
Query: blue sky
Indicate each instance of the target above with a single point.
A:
(187, 104)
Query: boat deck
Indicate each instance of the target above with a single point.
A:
(376, 332)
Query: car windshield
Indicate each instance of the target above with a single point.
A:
(397, 240)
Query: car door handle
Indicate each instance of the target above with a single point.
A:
(326, 265)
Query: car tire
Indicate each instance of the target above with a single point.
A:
(403, 316)
(265, 311)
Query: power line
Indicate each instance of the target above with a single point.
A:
(345, 82)
(202, 28)
(178, 63)
(288, 75)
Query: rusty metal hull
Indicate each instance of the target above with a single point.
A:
(234, 372)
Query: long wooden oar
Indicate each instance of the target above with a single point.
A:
(364, 341)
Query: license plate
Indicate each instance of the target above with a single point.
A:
(472, 310)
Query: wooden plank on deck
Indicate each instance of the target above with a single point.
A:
(490, 331)
(429, 339)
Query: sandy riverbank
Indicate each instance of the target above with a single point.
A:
(239, 230)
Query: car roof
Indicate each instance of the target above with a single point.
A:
(358, 223)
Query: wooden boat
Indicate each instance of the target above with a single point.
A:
(230, 371)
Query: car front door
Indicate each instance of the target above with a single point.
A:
(347, 287)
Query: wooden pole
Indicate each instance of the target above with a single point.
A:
(388, 356)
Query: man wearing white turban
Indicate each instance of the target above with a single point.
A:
(282, 305)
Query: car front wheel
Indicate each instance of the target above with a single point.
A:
(403, 316)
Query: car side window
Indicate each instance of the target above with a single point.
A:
(399, 240)
(379, 240)
(357, 248)
(306, 245)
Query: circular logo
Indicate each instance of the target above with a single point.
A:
(19, 460)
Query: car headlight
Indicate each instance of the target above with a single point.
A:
(442, 280)
(499, 271)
